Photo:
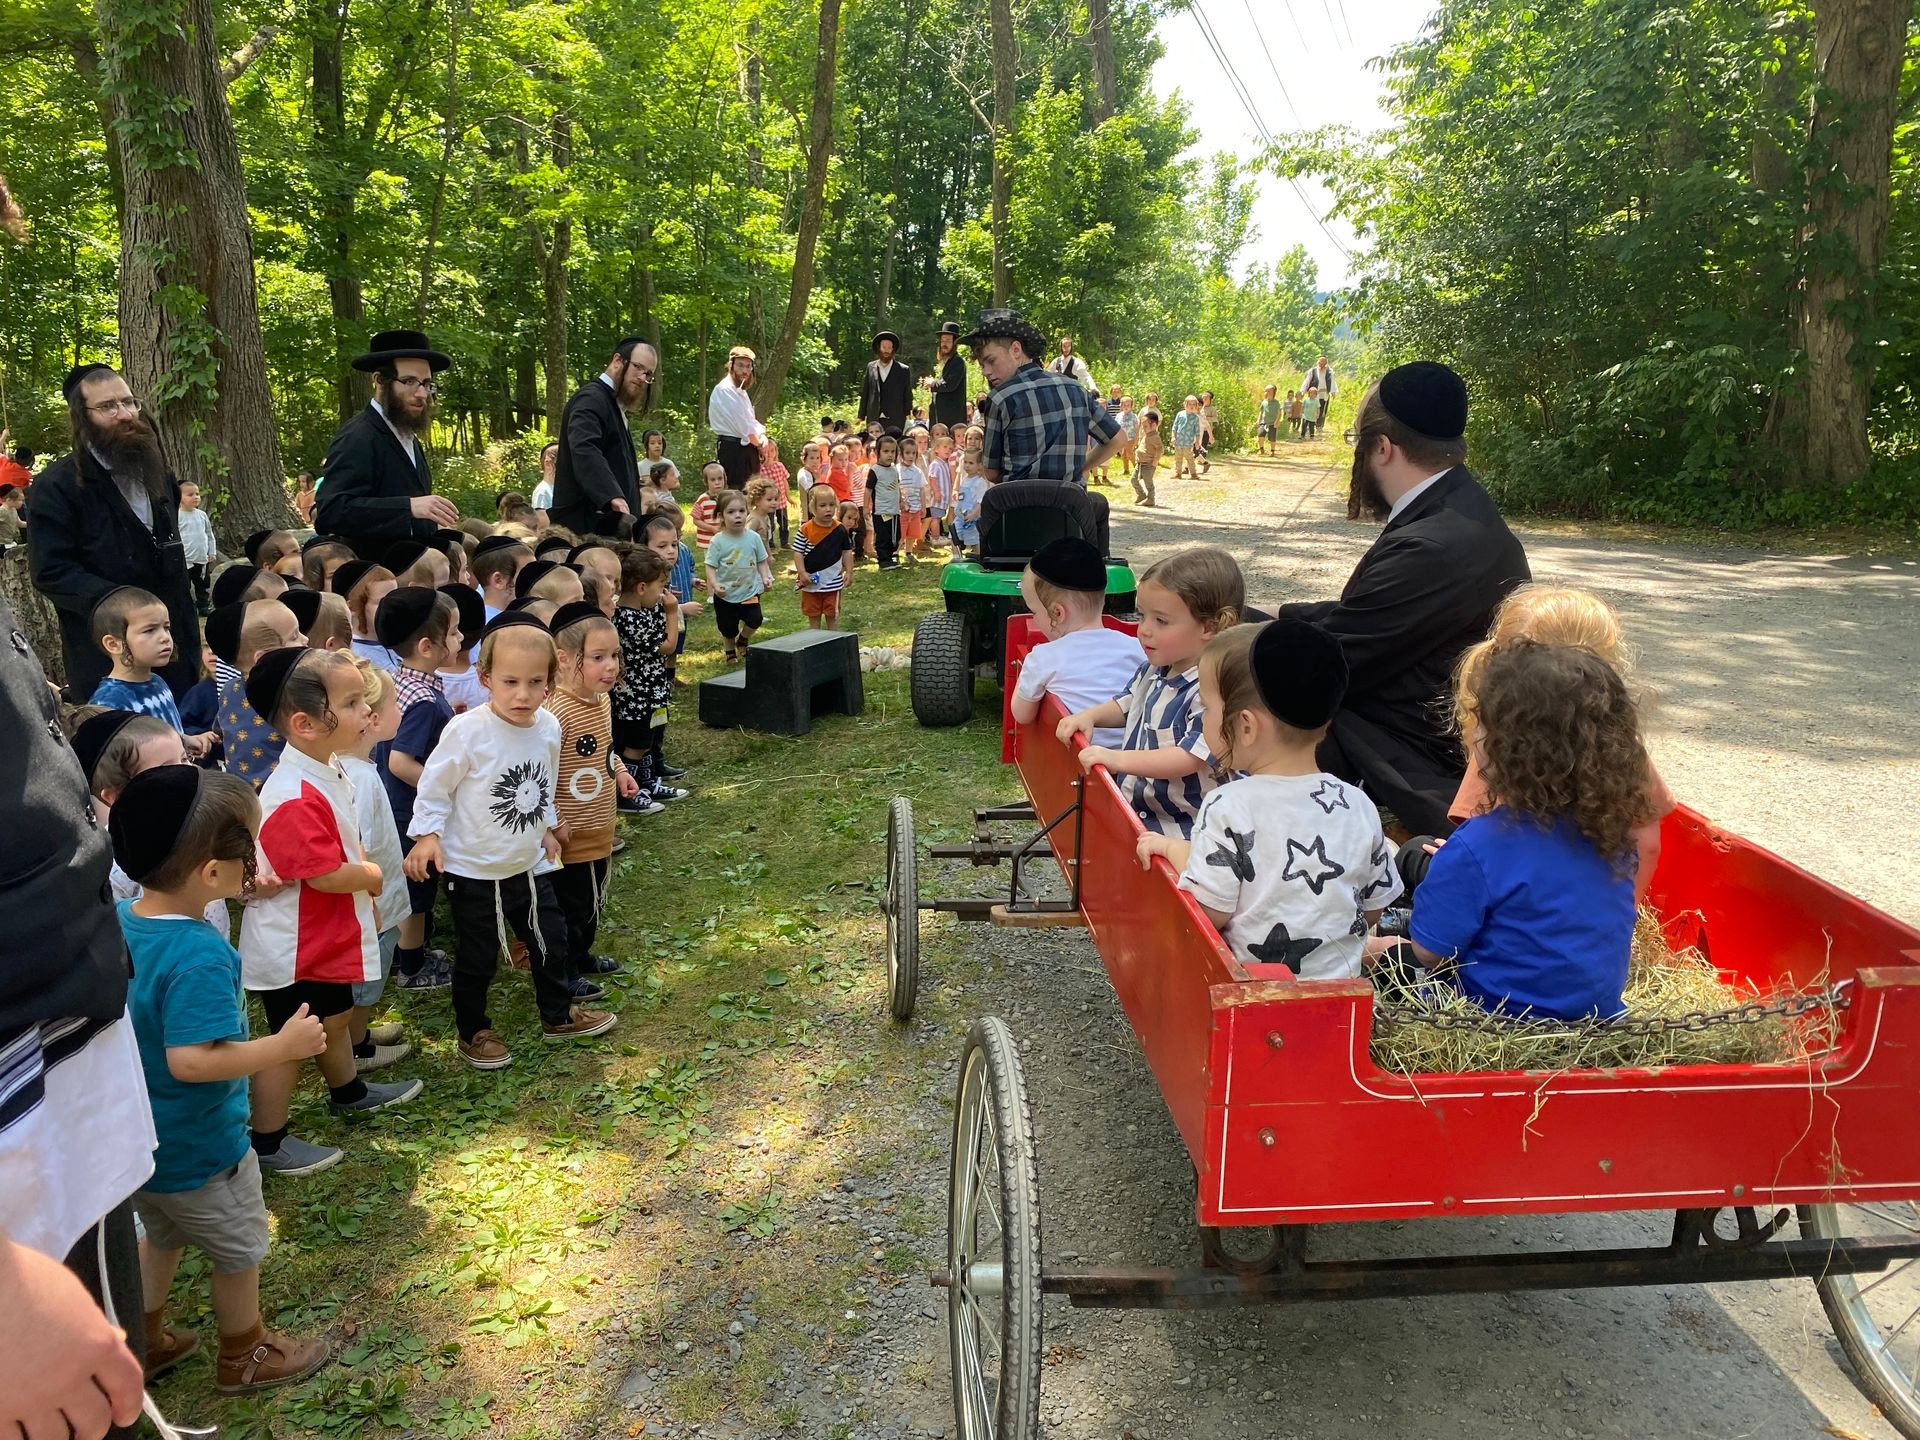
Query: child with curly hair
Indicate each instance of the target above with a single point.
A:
(1531, 903)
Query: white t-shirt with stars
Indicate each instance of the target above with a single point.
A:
(1298, 861)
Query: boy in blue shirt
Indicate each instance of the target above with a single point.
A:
(188, 836)
(133, 631)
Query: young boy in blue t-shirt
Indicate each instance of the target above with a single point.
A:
(188, 836)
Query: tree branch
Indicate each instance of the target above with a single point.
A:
(242, 59)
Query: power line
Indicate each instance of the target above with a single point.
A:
(1261, 37)
(1253, 114)
(1287, 5)
(1341, 6)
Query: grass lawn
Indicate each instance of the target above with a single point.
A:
(497, 1255)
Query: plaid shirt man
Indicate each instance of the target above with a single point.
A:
(1039, 425)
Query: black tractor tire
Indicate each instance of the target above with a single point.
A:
(943, 669)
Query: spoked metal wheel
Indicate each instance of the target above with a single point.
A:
(903, 911)
(1876, 1316)
(993, 1244)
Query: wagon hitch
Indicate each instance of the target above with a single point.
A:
(1696, 1227)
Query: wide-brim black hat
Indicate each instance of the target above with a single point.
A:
(949, 327)
(391, 345)
(885, 335)
(1007, 325)
(1300, 671)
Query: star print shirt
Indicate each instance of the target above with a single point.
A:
(1297, 861)
(585, 794)
(252, 746)
(487, 792)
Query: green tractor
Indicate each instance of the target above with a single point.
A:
(952, 646)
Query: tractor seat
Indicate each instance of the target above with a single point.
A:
(1017, 517)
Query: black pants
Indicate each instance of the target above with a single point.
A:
(780, 528)
(484, 913)
(739, 459)
(198, 575)
(123, 1277)
(579, 888)
(886, 538)
(732, 618)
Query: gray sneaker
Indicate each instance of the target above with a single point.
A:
(378, 1097)
(300, 1157)
(383, 1056)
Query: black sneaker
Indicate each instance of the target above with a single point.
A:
(602, 965)
(663, 793)
(638, 805)
(667, 772)
(582, 988)
(432, 975)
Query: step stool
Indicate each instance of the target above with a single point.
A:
(787, 682)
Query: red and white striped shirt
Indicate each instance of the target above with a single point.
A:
(307, 829)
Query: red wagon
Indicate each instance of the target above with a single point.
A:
(1771, 1171)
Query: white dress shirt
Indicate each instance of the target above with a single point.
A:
(1415, 493)
(730, 412)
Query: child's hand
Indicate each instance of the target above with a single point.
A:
(625, 785)
(303, 1036)
(1098, 755)
(425, 853)
(1148, 846)
(1074, 724)
(199, 745)
(550, 845)
(700, 584)
(374, 878)
(266, 884)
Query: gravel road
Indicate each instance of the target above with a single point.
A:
(1786, 711)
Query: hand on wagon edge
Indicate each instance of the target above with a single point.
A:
(1175, 850)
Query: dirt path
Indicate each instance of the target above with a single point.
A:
(1788, 713)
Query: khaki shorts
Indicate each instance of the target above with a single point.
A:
(226, 1218)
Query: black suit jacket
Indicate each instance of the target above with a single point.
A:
(890, 401)
(1423, 593)
(84, 540)
(596, 465)
(367, 485)
(949, 388)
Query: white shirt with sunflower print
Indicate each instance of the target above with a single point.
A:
(487, 792)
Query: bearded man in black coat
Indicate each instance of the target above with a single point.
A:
(375, 487)
(949, 386)
(1424, 592)
(108, 515)
(887, 394)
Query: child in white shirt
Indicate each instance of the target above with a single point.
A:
(1083, 663)
(1290, 863)
(484, 815)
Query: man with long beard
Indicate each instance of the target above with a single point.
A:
(1423, 593)
(949, 387)
(375, 487)
(108, 515)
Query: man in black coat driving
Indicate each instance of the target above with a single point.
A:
(375, 487)
(596, 480)
(108, 515)
(1423, 593)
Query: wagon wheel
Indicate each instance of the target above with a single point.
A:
(903, 911)
(1876, 1317)
(993, 1244)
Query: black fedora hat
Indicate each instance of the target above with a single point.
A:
(885, 335)
(390, 345)
(949, 327)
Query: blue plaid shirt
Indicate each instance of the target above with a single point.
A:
(1163, 711)
(1039, 424)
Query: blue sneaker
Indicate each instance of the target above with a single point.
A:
(582, 988)
(432, 975)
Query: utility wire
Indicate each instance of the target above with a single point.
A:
(1245, 95)
(1261, 37)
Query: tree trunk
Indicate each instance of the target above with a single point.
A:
(327, 22)
(550, 256)
(773, 375)
(1100, 36)
(449, 133)
(86, 60)
(756, 173)
(1858, 50)
(883, 309)
(189, 326)
(34, 613)
(1006, 61)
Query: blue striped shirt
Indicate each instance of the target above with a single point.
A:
(1163, 712)
(152, 696)
(680, 578)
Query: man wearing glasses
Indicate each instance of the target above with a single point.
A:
(108, 515)
(596, 478)
(375, 487)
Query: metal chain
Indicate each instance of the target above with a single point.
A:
(1834, 998)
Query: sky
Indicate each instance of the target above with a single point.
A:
(1321, 49)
